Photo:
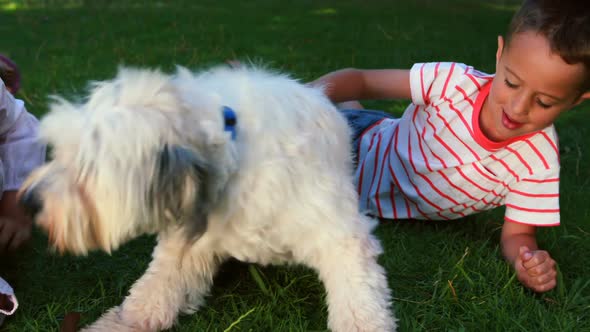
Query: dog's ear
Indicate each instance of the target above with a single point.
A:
(181, 189)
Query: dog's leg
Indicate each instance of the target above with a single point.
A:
(177, 279)
(111, 321)
(357, 292)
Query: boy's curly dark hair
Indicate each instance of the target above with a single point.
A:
(565, 24)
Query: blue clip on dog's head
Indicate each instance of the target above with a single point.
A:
(230, 120)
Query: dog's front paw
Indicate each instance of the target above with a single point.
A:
(111, 321)
(148, 314)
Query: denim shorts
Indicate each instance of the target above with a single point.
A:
(359, 121)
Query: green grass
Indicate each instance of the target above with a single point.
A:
(445, 276)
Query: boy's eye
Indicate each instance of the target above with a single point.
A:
(510, 84)
(542, 104)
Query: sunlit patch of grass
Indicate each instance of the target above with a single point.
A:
(506, 6)
(325, 11)
(12, 5)
(8, 6)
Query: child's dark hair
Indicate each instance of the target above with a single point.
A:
(565, 24)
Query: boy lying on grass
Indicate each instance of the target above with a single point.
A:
(471, 141)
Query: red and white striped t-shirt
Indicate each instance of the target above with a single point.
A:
(435, 162)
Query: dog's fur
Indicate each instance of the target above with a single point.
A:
(147, 153)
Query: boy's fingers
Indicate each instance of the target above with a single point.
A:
(545, 278)
(545, 287)
(537, 257)
(538, 271)
(541, 269)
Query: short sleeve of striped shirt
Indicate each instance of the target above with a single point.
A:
(535, 201)
(429, 80)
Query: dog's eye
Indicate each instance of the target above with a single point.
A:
(49, 155)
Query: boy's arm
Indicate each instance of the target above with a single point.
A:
(356, 84)
(534, 268)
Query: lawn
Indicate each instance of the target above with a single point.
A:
(445, 276)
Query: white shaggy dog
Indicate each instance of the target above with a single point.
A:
(227, 162)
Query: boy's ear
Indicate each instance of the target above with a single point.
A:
(500, 49)
(584, 96)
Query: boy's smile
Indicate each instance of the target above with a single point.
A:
(532, 86)
(509, 123)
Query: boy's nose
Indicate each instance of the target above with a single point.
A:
(31, 202)
(519, 105)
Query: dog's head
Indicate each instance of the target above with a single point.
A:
(134, 158)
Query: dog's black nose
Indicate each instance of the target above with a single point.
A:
(31, 202)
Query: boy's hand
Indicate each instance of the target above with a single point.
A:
(536, 269)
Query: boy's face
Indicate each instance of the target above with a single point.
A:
(531, 88)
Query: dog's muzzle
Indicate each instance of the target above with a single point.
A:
(31, 202)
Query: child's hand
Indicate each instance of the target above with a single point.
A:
(15, 225)
(536, 269)
(13, 233)
(9, 74)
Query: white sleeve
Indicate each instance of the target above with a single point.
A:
(20, 151)
(10, 109)
(430, 81)
(535, 201)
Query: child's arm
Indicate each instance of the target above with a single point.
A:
(20, 152)
(534, 268)
(356, 84)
